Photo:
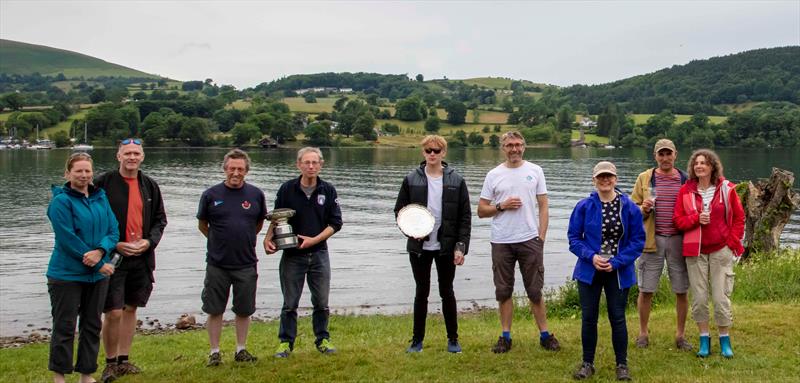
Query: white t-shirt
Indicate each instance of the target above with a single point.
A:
(526, 182)
(435, 206)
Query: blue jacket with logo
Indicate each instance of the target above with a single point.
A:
(80, 224)
(585, 236)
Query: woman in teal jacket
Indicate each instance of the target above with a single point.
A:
(77, 276)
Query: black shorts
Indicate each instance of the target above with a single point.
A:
(217, 286)
(128, 287)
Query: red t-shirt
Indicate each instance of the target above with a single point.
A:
(133, 225)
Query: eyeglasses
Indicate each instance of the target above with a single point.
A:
(134, 141)
(80, 154)
(432, 150)
(510, 146)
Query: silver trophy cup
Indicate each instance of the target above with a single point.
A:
(283, 236)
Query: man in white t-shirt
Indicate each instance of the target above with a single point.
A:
(514, 194)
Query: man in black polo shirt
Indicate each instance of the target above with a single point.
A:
(317, 217)
(230, 216)
(136, 202)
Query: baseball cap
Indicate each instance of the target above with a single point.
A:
(604, 167)
(664, 143)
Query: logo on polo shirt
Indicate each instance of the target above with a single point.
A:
(529, 178)
(321, 199)
(218, 202)
(246, 205)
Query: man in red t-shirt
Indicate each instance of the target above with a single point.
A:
(137, 204)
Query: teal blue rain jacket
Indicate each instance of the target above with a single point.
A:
(80, 224)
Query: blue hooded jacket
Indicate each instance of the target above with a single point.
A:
(80, 224)
(585, 236)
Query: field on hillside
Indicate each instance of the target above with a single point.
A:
(65, 125)
(576, 134)
(496, 82)
(298, 104)
(641, 119)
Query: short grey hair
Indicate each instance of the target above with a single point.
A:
(309, 149)
(236, 154)
(512, 134)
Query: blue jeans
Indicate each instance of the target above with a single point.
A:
(616, 300)
(294, 270)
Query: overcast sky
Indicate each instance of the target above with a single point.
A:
(245, 43)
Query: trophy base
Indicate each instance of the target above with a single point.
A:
(286, 242)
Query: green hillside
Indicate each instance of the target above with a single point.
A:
(22, 58)
(707, 86)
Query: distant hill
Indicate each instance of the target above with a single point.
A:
(22, 58)
(769, 74)
(499, 82)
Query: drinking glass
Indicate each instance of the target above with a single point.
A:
(460, 248)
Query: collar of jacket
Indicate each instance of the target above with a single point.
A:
(446, 169)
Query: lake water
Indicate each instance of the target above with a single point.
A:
(371, 273)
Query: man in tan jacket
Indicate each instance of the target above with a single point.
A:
(656, 191)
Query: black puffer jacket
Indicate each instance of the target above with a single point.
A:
(456, 211)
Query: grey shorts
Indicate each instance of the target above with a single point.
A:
(217, 286)
(530, 255)
(650, 266)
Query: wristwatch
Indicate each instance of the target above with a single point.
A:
(498, 207)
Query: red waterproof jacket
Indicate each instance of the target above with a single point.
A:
(727, 219)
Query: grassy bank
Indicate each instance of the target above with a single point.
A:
(372, 348)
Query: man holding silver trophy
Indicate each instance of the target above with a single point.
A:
(308, 207)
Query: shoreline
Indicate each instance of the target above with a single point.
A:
(154, 326)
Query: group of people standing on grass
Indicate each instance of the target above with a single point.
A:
(691, 220)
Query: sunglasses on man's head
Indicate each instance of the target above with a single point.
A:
(134, 141)
(432, 150)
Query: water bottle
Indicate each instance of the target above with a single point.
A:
(116, 259)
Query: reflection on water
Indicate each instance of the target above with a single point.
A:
(370, 267)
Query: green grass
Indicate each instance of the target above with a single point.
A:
(372, 348)
(22, 58)
(641, 119)
(65, 125)
(496, 82)
(576, 134)
(323, 104)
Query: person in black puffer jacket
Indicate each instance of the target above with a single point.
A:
(444, 192)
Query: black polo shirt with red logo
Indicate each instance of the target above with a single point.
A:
(233, 216)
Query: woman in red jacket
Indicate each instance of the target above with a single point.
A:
(710, 214)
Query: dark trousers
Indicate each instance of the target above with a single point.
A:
(294, 269)
(446, 270)
(616, 301)
(69, 300)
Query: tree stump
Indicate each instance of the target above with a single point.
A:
(768, 205)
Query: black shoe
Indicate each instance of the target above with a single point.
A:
(550, 343)
(623, 373)
(128, 368)
(110, 373)
(503, 345)
(214, 360)
(244, 356)
(585, 371)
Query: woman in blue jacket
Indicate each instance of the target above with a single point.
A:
(607, 235)
(85, 233)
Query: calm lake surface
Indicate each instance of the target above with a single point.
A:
(371, 273)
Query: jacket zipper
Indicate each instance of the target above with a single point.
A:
(619, 242)
(700, 228)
